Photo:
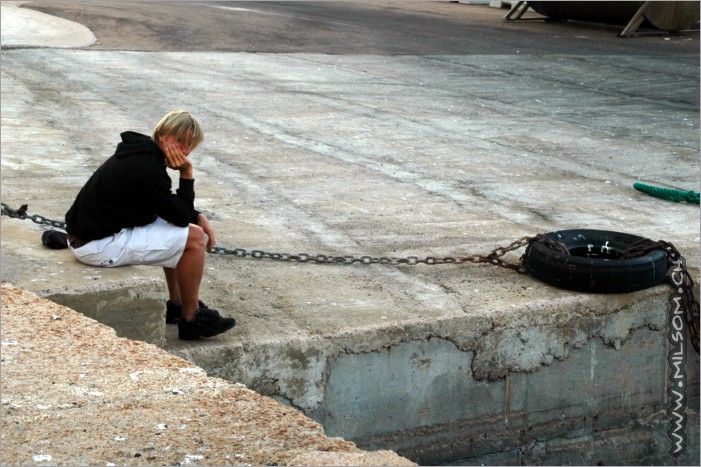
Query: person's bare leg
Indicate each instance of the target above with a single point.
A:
(173, 287)
(189, 271)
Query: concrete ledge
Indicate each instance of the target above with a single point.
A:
(75, 394)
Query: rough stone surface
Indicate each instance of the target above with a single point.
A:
(73, 393)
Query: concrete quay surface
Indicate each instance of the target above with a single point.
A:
(426, 155)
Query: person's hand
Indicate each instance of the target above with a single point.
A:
(177, 160)
(203, 222)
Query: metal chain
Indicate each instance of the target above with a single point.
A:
(21, 213)
(686, 283)
(689, 302)
(495, 257)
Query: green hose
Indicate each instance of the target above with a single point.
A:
(668, 193)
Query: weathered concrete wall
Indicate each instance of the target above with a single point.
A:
(581, 376)
(572, 378)
(557, 414)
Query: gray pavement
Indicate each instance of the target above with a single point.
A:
(426, 155)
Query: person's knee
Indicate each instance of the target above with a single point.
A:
(196, 237)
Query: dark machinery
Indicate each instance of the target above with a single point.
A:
(664, 16)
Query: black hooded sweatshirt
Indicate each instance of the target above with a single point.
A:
(130, 189)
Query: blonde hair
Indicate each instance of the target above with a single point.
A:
(180, 123)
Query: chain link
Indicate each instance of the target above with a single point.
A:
(675, 263)
(689, 302)
(495, 257)
(21, 213)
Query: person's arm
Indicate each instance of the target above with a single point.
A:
(178, 208)
(176, 160)
(203, 222)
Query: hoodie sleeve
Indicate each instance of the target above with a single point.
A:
(187, 187)
(178, 208)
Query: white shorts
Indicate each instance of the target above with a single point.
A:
(158, 243)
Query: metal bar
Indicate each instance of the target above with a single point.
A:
(519, 9)
(635, 21)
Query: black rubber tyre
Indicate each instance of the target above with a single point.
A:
(594, 263)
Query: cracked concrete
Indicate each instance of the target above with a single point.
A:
(540, 336)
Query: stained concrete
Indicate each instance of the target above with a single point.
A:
(394, 155)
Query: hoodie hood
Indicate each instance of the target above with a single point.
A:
(136, 143)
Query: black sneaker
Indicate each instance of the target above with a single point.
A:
(207, 323)
(175, 312)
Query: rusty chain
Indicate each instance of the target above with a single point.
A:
(495, 257)
(21, 213)
(683, 281)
